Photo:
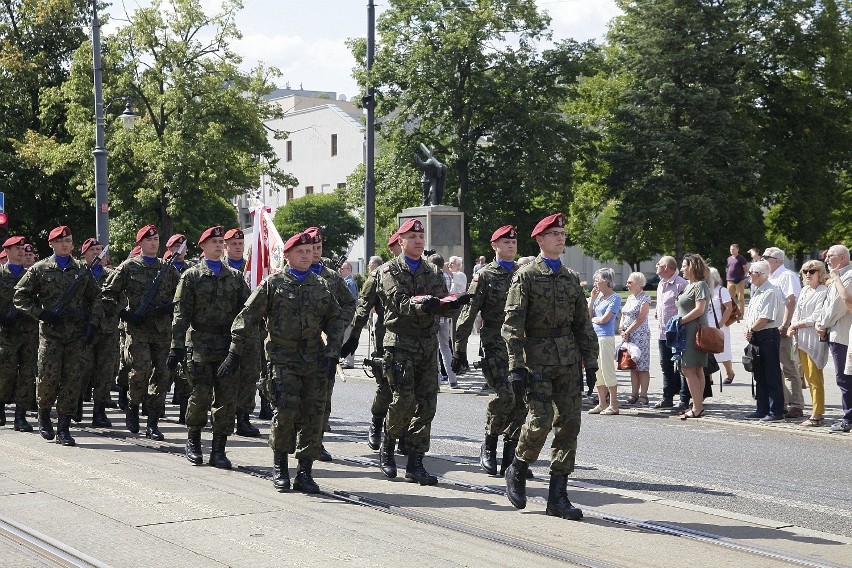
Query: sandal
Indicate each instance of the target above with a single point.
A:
(609, 411)
(729, 380)
(812, 422)
(691, 414)
(643, 400)
(633, 399)
(596, 410)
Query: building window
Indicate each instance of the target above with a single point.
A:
(334, 144)
(341, 185)
(309, 189)
(325, 188)
(289, 194)
(289, 150)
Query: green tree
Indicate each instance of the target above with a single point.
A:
(327, 211)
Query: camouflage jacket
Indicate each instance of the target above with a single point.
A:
(397, 285)
(45, 283)
(109, 323)
(8, 280)
(206, 306)
(341, 293)
(131, 279)
(489, 288)
(547, 319)
(296, 314)
(368, 300)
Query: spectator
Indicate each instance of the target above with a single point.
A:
(525, 260)
(722, 303)
(346, 272)
(635, 329)
(669, 288)
(813, 353)
(604, 306)
(445, 351)
(692, 307)
(458, 275)
(834, 322)
(481, 262)
(735, 274)
(764, 315)
(786, 281)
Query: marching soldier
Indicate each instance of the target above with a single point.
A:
(30, 255)
(297, 308)
(548, 332)
(507, 410)
(177, 378)
(101, 356)
(208, 298)
(149, 285)
(321, 267)
(18, 340)
(121, 379)
(61, 293)
(173, 245)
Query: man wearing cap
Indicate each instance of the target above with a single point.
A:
(548, 334)
(507, 410)
(296, 307)
(322, 267)
(121, 379)
(60, 292)
(30, 255)
(411, 288)
(100, 358)
(177, 379)
(208, 298)
(18, 340)
(149, 286)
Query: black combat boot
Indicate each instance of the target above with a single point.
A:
(87, 393)
(416, 473)
(122, 398)
(2, 414)
(401, 446)
(144, 410)
(280, 472)
(558, 504)
(509, 447)
(244, 427)
(63, 436)
(184, 404)
(193, 447)
(78, 416)
(516, 483)
(21, 424)
(45, 425)
(324, 455)
(386, 458)
(152, 431)
(265, 409)
(110, 403)
(99, 417)
(131, 417)
(304, 482)
(488, 455)
(374, 434)
(218, 458)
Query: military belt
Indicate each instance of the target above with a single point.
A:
(297, 343)
(217, 329)
(408, 332)
(548, 331)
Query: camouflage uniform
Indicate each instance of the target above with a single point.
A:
(368, 300)
(100, 359)
(177, 378)
(547, 330)
(18, 348)
(206, 307)
(249, 371)
(296, 314)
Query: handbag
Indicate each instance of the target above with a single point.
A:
(736, 315)
(710, 339)
(625, 361)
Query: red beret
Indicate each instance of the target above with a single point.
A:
(394, 239)
(175, 239)
(13, 241)
(59, 232)
(146, 231)
(3, 253)
(302, 238)
(211, 232)
(505, 232)
(234, 234)
(29, 248)
(315, 234)
(555, 220)
(137, 250)
(168, 255)
(411, 225)
(88, 243)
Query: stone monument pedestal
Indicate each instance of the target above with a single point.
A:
(444, 226)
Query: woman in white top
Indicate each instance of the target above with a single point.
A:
(723, 306)
(813, 353)
(459, 278)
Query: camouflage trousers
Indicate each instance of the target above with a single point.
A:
(100, 364)
(383, 398)
(60, 373)
(247, 376)
(180, 383)
(299, 404)
(146, 356)
(506, 411)
(208, 392)
(18, 357)
(415, 393)
(553, 397)
(121, 378)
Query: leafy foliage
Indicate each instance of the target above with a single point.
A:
(327, 211)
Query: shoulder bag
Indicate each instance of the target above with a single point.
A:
(735, 310)
(710, 339)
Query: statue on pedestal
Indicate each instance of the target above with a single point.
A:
(434, 177)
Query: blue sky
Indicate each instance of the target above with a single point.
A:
(306, 39)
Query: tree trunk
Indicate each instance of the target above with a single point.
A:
(678, 229)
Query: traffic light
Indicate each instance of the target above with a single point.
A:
(3, 219)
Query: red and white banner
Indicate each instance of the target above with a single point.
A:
(265, 253)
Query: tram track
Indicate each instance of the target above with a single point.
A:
(43, 549)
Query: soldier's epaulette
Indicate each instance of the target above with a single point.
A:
(385, 270)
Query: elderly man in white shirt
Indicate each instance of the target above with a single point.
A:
(788, 282)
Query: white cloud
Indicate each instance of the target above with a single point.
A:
(579, 19)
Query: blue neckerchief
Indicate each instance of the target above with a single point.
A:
(214, 265)
(509, 265)
(97, 270)
(299, 274)
(554, 265)
(63, 261)
(148, 260)
(316, 269)
(15, 268)
(412, 264)
(179, 264)
(236, 264)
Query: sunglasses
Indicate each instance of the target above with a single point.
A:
(754, 272)
(810, 271)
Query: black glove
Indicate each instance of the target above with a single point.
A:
(130, 317)
(10, 318)
(351, 344)
(89, 334)
(330, 367)
(520, 374)
(430, 304)
(459, 362)
(228, 366)
(463, 300)
(50, 317)
(176, 355)
(165, 309)
(591, 377)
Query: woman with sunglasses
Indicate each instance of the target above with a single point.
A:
(813, 354)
